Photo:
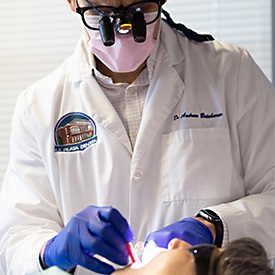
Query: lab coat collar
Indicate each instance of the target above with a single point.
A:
(172, 44)
(83, 62)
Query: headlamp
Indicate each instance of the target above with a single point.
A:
(123, 25)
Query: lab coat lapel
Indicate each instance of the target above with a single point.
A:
(94, 100)
(164, 93)
(103, 112)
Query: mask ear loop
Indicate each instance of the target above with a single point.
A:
(106, 31)
(139, 27)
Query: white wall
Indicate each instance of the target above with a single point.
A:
(247, 23)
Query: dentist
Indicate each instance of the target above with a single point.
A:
(147, 133)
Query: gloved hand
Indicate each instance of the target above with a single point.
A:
(188, 229)
(95, 230)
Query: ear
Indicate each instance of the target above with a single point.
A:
(72, 5)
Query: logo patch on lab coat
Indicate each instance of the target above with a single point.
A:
(74, 132)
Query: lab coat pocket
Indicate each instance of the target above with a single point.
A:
(196, 164)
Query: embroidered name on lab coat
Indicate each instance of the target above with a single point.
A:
(198, 116)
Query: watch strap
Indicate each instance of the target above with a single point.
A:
(213, 218)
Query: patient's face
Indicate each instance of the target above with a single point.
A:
(177, 260)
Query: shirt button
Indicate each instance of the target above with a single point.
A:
(135, 134)
(131, 90)
(139, 247)
(138, 175)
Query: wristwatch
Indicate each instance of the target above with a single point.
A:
(212, 217)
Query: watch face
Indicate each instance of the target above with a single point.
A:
(210, 215)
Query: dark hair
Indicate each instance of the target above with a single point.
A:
(245, 256)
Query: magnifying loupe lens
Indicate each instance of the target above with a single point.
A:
(106, 31)
(139, 27)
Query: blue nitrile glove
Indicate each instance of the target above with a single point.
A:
(188, 229)
(95, 230)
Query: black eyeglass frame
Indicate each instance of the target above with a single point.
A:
(117, 11)
(202, 254)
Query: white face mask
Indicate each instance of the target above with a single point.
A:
(125, 55)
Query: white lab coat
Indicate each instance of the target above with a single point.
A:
(206, 139)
